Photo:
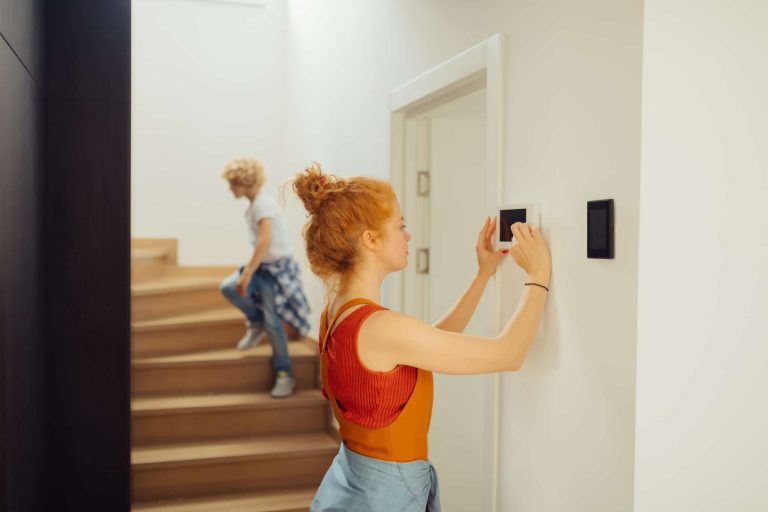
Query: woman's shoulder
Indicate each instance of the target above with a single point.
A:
(383, 322)
(360, 312)
(353, 316)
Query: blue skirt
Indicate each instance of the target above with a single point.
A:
(358, 483)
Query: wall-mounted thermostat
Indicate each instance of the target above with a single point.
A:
(600, 229)
(508, 215)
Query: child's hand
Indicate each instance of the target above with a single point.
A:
(242, 284)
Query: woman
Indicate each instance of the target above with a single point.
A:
(377, 364)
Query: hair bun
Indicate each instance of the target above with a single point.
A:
(314, 187)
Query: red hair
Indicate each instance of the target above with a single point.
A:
(340, 210)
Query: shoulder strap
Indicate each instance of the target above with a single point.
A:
(326, 328)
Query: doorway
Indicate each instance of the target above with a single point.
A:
(445, 165)
(444, 152)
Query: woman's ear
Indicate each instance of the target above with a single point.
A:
(371, 240)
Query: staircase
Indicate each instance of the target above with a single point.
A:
(206, 434)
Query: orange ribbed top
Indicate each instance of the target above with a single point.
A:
(368, 398)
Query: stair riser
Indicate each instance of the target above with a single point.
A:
(226, 503)
(147, 269)
(186, 339)
(152, 507)
(169, 246)
(255, 376)
(151, 307)
(230, 477)
(197, 426)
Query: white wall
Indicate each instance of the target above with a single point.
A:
(703, 349)
(208, 86)
(573, 126)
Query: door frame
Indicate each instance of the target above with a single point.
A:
(485, 59)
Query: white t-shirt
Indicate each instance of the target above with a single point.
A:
(265, 207)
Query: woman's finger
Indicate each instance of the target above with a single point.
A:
(516, 233)
(491, 232)
(483, 230)
(524, 231)
(491, 227)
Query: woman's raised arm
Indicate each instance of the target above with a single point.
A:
(457, 318)
(388, 338)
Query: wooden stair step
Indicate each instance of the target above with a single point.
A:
(148, 264)
(218, 271)
(174, 295)
(234, 465)
(191, 418)
(225, 356)
(147, 254)
(292, 500)
(169, 246)
(221, 371)
(220, 316)
(175, 283)
(148, 406)
(251, 448)
(192, 332)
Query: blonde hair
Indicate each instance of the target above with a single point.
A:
(339, 211)
(245, 172)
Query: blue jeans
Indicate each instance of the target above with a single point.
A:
(264, 317)
(364, 484)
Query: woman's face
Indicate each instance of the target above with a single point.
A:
(394, 247)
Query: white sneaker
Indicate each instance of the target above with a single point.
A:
(253, 336)
(284, 386)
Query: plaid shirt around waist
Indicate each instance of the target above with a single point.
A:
(291, 304)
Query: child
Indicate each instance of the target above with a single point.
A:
(267, 289)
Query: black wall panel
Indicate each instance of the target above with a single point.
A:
(64, 255)
(88, 50)
(22, 400)
(87, 269)
(88, 306)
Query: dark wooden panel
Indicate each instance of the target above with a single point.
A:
(64, 258)
(21, 351)
(87, 264)
(86, 45)
(88, 304)
(19, 25)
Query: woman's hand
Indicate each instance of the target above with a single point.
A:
(487, 258)
(531, 253)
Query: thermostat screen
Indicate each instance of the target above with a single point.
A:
(598, 229)
(506, 219)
